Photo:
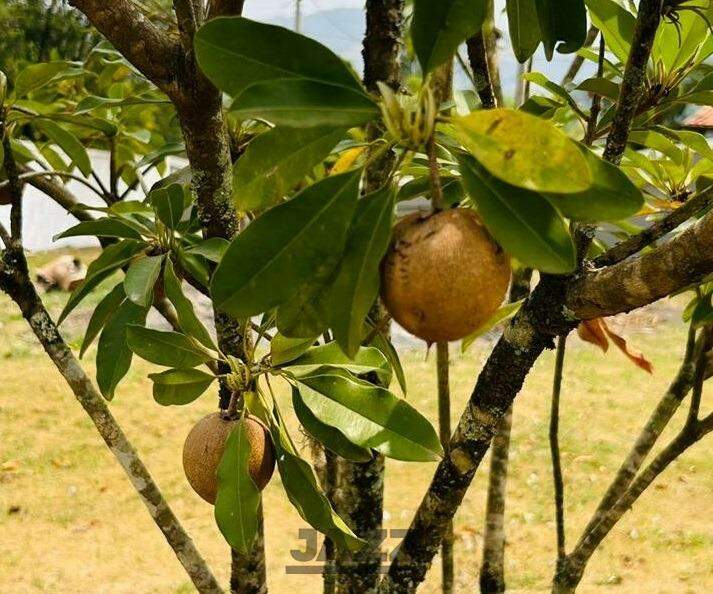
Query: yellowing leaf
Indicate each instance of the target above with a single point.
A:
(347, 159)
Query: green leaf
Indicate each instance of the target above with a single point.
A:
(104, 227)
(141, 278)
(235, 52)
(284, 349)
(194, 265)
(36, 76)
(353, 291)
(421, 186)
(238, 499)
(382, 342)
(293, 244)
(601, 86)
(302, 489)
(113, 353)
(276, 161)
(102, 312)
(112, 258)
(524, 28)
(687, 39)
(104, 126)
(68, 142)
(563, 22)
(693, 140)
(179, 386)
(169, 349)
(616, 23)
(438, 28)
(505, 313)
(541, 80)
(524, 150)
(370, 416)
(300, 103)
(613, 195)
(658, 142)
(169, 204)
(211, 249)
(366, 360)
(187, 318)
(331, 438)
(523, 222)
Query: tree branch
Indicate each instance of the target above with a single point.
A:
(220, 8)
(577, 61)
(481, 72)
(148, 48)
(693, 206)
(632, 86)
(557, 478)
(15, 281)
(684, 260)
(444, 425)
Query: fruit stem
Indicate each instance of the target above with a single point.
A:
(436, 189)
(235, 400)
(444, 422)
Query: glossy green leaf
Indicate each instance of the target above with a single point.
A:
(169, 204)
(284, 349)
(382, 342)
(36, 76)
(524, 28)
(211, 249)
(601, 86)
(304, 493)
(235, 52)
(104, 126)
(101, 314)
(366, 360)
(331, 438)
(616, 23)
(523, 222)
(558, 91)
(291, 245)
(657, 141)
(179, 386)
(304, 314)
(613, 195)
(502, 315)
(352, 293)
(438, 28)
(524, 150)
(187, 318)
(169, 349)
(693, 140)
(141, 278)
(68, 142)
(563, 24)
(193, 265)
(104, 227)
(276, 161)
(113, 353)
(301, 103)
(688, 39)
(370, 416)
(111, 259)
(238, 500)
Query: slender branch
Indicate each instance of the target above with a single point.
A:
(651, 432)
(632, 86)
(596, 107)
(30, 175)
(15, 281)
(444, 425)
(578, 61)
(481, 71)
(557, 478)
(5, 236)
(147, 47)
(14, 184)
(634, 244)
(435, 176)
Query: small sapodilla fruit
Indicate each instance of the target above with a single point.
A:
(443, 276)
(205, 445)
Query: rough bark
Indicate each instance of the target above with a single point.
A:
(359, 496)
(492, 570)
(14, 280)
(632, 86)
(477, 56)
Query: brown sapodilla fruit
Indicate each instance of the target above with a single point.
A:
(443, 275)
(205, 445)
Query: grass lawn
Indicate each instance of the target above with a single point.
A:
(70, 522)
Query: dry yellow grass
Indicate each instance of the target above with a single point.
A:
(70, 522)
